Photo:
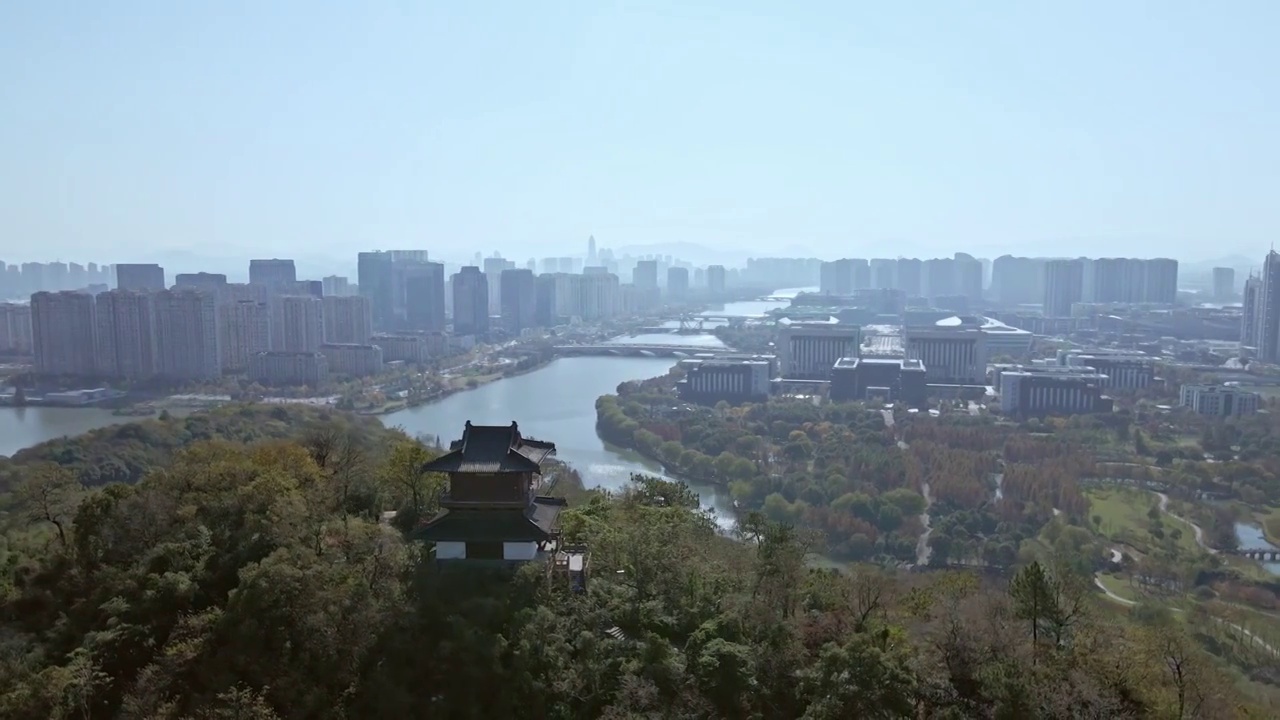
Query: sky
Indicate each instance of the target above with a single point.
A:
(831, 129)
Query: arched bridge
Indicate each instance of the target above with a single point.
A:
(631, 350)
(1260, 554)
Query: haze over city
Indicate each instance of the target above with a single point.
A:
(222, 131)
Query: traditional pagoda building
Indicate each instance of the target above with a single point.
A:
(492, 511)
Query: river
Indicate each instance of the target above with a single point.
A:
(555, 403)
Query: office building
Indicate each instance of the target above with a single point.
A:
(1224, 283)
(470, 302)
(64, 333)
(15, 329)
(424, 297)
(244, 330)
(678, 283)
(405, 347)
(272, 273)
(519, 300)
(125, 335)
(808, 351)
(743, 379)
(336, 286)
(893, 380)
(297, 323)
(374, 280)
(951, 354)
(310, 369)
(139, 277)
(1122, 371)
(715, 279)
(186, 335)
(1063, 286)
(353, 359)
(347, 319)
(1219, 400)
(1033, 392)
(212, 283)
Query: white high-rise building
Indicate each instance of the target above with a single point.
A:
(15, 329)
(601, 296)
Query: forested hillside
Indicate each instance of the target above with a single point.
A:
(249, 576)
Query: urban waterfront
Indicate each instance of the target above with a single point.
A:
(555, 403)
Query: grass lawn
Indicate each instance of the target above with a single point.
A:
(1120, 586)
(1124, 518)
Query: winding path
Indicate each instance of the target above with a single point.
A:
(1164, 508)
(1246, 633)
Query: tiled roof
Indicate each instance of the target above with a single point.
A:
(492, 448)
(534, 523)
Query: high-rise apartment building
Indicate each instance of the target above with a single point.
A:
(1224, 283)
(678, 283)
(519, 300)
(835, 277)
(348, 319)
(969, 278)
(470, 302)
(139, 277)
(125, 335)
(884, 274)
(15, 329)
(244, 330)
(186, 335)
(335, 286)
(1017, 280)
(493, 268)
(715, 279)
(64, 333)
(297, 323)
(545, 310)
(212, 283)
(1266, 311)
(940, 278)
(273, 272)
(910, 276)
(600, 296)
(1063, 286)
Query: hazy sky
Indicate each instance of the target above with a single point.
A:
(834, 128)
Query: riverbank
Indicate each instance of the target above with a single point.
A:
(481, 381)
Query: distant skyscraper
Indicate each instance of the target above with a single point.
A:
(15, 329)
(645, 276)
(347, 319)
(591, 250)
(126, 335)
(64, 332)
(545, 312)
(600, 296)
(375, 282)
(212, 283)
(715, 279)
(1267, 310)
(836, 277)
(678, 283)
(1063, 286)
(1160, 281)
(139, 277)
(470, 302)
(336, 286)
(519, 300)
(493, 268)
(1250, 306)
(1017, 280)
(883, 272)
(910, 276)
(969, 278)
(272, 273)
(1224, 283)
(424, 297)
(244, 330)
(297, 323)
(940, 278)
(186, 335)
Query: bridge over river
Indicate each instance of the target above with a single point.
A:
(634, 350)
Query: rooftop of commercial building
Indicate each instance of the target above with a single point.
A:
(853, 362)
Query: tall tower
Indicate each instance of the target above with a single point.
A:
(591, 250)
